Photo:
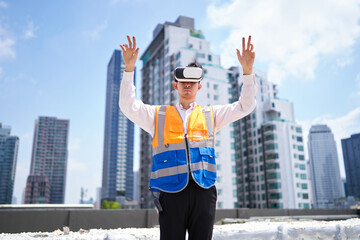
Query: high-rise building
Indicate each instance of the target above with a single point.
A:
(8, 156)
(269, 150)
(324, 166)
(118, 156)
(49, 159)
(351, 153)
(173, 45)
(38, 189)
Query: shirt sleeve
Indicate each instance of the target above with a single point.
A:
(225, 114)
(141, 114)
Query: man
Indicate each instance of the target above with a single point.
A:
(184, 167)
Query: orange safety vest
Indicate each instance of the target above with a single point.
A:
(176, 155)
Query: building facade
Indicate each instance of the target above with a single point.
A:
(49, 156)
(118, 155)
(38, 189)
(9, 146)
(324, 167)
(351, 153)
(173, 45)
(269, 150)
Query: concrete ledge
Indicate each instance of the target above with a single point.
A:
(30, 220)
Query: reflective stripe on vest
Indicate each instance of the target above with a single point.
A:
(170, 171)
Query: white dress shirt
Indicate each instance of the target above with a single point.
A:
(144, 114)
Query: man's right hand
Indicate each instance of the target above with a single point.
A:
(130, 53)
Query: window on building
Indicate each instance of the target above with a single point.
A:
(275, 185)
(273, 146)
(304, 186)
(209, 58)
(275, 196)
(302, 166)
(200, 55)
(216, 97)
(274, 175)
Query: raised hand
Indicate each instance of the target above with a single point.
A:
(247, 57)
(130, 53)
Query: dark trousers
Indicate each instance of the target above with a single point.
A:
(192, 209)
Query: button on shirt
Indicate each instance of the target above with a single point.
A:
(185, 114)
(144, 114)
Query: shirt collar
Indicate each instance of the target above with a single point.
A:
(192, 106)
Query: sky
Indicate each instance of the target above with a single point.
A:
(54, 56)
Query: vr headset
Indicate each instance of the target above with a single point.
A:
(189, 74)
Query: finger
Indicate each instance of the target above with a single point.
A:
(238, 52)
(134, 42)
(136, 52)
(249, 43)
(239, 55)
(129, 40)
(122, 48)
(126, 46)
(251, 47)
(243, 44)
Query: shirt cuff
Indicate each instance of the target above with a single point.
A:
(128, 74)
(249, 79)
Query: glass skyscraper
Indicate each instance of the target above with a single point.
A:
(351, 153)
(324, 166)
(49, 156)
(8, 156)
(118, 155)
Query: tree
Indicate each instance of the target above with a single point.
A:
(110, 205)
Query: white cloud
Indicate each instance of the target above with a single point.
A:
(341, 127)
(3, 4)
(7, 44)
(30, 31)
(289, 36)
(94, 34)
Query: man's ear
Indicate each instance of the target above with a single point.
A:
(175, 85)
(199, 86)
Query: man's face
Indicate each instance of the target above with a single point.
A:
(187, 90)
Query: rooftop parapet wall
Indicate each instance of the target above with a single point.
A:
(48, 220)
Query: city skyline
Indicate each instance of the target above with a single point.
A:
(57, 64)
